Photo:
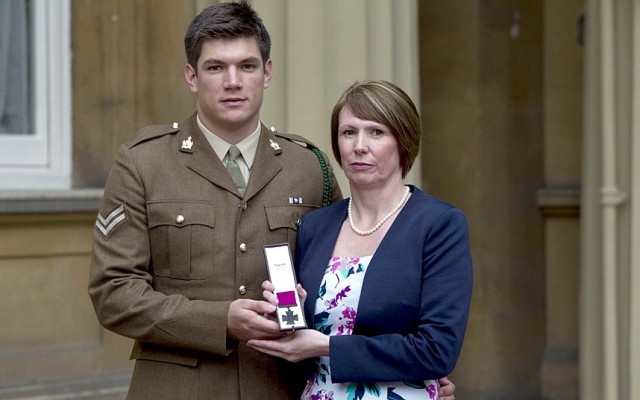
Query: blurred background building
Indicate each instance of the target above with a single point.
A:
(531, 126)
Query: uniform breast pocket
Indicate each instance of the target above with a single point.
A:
(284, 221)
(181, 235)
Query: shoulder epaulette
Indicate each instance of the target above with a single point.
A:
(326, 176)
(300, 140)
(152, 132)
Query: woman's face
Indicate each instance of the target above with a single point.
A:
(369, 151)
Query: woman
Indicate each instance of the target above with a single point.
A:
(389, 269)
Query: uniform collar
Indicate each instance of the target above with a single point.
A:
(247, 146)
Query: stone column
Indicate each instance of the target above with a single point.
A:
(609, 331)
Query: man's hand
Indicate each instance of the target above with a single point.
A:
(447, 389)
(246, 320)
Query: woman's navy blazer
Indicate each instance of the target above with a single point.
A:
(414, 305)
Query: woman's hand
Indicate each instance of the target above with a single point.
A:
(295, 346)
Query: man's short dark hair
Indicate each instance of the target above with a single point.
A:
(225, 21)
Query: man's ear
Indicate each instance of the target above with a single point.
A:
(268, 70)
(191, 77)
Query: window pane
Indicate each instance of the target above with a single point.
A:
(15, 51)
(35, 136)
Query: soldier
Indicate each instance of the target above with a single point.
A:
(178, 257)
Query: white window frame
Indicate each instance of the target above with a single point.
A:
(42, 159)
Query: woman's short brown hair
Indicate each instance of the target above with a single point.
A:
(385, 103)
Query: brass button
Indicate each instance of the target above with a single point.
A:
(180, 219)
(243, 248)
(175, 125)
(244, 206)
(242, 290)
(298, 222)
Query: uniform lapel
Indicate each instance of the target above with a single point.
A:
(266, 164)
(201, 158)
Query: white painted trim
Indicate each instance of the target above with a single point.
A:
(43, 160)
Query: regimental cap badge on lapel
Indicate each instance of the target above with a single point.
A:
(275, 145)
(187, 144)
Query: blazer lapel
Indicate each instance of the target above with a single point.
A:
(386, 257)
(316, 262)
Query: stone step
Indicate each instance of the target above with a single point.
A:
(104, 387)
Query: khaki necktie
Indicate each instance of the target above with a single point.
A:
(234, 170)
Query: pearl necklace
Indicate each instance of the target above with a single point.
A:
(382, 221)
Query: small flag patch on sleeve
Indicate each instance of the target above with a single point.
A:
(106, 224)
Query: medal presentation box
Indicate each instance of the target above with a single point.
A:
(283, 277)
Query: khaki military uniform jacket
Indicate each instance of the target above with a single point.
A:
(175, 244)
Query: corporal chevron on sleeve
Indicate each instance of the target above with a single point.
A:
(106, 224)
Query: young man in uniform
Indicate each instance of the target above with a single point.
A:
(178, 256)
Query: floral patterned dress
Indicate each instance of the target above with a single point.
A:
(335, 314)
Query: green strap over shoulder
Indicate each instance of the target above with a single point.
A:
(326, 191)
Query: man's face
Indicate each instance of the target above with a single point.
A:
(229, 85)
